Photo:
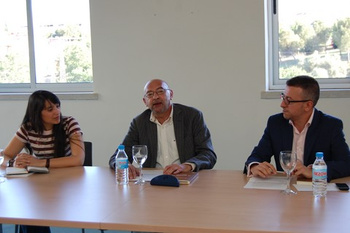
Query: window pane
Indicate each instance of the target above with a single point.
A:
(314, 38)
(14, 55)
(62, 41)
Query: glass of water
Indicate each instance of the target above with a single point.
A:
(139, 154)
(288, 161)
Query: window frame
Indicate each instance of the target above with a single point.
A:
(273, 82)
(6, 88)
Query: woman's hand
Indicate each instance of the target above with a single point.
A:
(22, 160)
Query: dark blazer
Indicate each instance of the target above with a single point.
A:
(325, 134)
(192, 138)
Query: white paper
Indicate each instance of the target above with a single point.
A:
(272, 182)
(15, 171)
(148, 175)
(307, 186)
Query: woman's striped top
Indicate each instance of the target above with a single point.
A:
(43, 145)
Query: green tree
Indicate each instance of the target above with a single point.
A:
(13, 70)
(74, 63)
(289, 42)
(303, 31)
(341, 34)
(329, 66)
(290, 72)
(78, 63)
(322, 34)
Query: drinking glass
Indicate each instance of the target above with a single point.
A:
(288, 161)
(2, 157)
(139, 154)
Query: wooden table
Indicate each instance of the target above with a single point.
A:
(87, 197)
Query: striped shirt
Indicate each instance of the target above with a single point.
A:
(43, 145)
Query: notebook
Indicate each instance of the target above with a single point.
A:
(16, 171)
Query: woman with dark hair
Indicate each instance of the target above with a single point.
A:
(48, 138)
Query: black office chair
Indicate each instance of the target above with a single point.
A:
(88, 162)
(88, 154)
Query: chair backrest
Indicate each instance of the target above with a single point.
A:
(88, 154)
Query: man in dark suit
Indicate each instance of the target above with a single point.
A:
(304, 129)
(177, 137)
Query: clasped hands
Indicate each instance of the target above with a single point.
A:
(23, 160)
(168, 170)
(266, 169)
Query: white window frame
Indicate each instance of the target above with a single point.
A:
(6, 88)
(273, 82)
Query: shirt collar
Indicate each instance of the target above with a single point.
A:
(308, 123)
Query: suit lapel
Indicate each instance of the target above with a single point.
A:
(287, 137)
(179, 130)
(311, 136)
(153, 141)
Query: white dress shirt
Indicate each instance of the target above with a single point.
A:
(167, 152)
(299, 138)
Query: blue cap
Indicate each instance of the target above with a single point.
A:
(319, 154)
(121, 147)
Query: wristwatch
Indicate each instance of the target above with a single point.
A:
(47, 163)
(10, 162)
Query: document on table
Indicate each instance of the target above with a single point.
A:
(280, 183)
(24, 172)
(307, 186)
(148, 175)
(272, 182)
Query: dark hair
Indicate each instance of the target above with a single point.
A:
(310, 87)
(33, 121)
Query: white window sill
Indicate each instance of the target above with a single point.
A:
(61, 96)
(324, 94)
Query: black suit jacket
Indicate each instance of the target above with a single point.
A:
(192, 138)
(325, 134)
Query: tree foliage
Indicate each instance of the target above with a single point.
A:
(71, 61)
(313, 48)
(341, 34)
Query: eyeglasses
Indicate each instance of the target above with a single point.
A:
(159, 92)
(287, 101)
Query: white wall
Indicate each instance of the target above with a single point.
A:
(211, 52)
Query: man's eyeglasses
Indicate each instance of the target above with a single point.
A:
(159, 92)
(288, 101)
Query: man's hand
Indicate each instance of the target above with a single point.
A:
(176, 169)
(133, 172)
(264, 169)
(301, 170)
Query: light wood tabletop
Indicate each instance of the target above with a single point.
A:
(87, 197)
(66, 197)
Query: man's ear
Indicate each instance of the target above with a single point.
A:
(309, 105)
(171, 94)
